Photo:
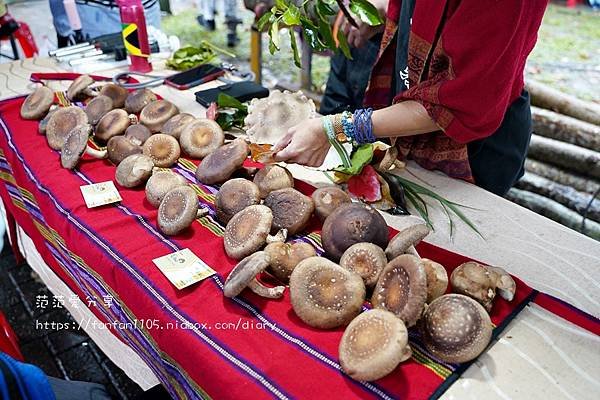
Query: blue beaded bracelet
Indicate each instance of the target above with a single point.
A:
(363, 126)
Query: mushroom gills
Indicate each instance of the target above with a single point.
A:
(244, 275)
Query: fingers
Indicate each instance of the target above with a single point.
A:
(284, 141)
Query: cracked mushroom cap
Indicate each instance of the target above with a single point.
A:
(138, 134)
(138, 99)
(233, 196)
(247, 231)
(273, 177)
(291, 209)
(410, 236)
(113, 123)
(119, 148)
(219, 165)
(161, 183)
(78, 86)
(350, 224)
(201, 137)
(117, 94)
(134, 170)
(176, 124)
(62, 122)
(365, 259)
(75, 146)
(437, 279)
(286, 256)
(325, 295)
(163, 149)
(402, 288)
(177, 210)
(328, 199)
(155, 114)
(373, 345)
(456, 328)
(37, 104)
(480, 282)
(97, 108)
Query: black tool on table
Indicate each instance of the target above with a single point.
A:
(243, 91)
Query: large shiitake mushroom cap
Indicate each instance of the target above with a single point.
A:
(134, 170)
(291, 209)
(325, 295)
(119, 148)
(138, 134)
(155, 114)
(373, 345)
(233, 196)
(43, 124)
(137, 100)
(74, 146)
(402, 288)
(161, 183)
(117, 94)
(247, 231)
(273, 177)
(176, 124)
(113, 123)
(62, 122)
(78, 86)
(201, 137)
(327, 199)
(365, 259)
(350, 224)
(455, 328)
(219, 165)
(177, 210)
(162, 149)
(97, 108)
(37, 104)
(286, 256)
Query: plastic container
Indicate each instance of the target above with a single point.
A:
(135, 35)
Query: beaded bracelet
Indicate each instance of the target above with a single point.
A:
(330, 132)
(363, 126)
(348, 125)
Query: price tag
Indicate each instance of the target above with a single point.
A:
(100, 194)
(183, 268)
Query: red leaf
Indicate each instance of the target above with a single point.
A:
(365, 186)
(211, 111)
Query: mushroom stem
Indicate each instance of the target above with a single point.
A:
(412, 251)
(263, 291)
(280, 236)
(406, 353)
(133, 119)
(96, 153)
(202, 212)
(90, 92)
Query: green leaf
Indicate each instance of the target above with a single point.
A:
(281, 4)
(366, 11)
(274, 33)
(264, 20)
(326, 34)
(226, 101)
(360, 157)
(291, 16)
(344, 47)
(295, 51)
(324, 9)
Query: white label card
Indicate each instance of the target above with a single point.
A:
(100, 194)
(183, 268)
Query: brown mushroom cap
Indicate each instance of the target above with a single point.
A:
(291, 209)
(373, 345)
(286, 256)
(365, 259)
(327, 199)
(37, 104)
(407, 237)
(176, 124)
(117, 94)
(476, 281)
(273, 177)
(402, 288)
(244, 275)
(62, 122)
(97, 108)
(201, 137)
(247, 231)
(78, 86)
(75, 146)
(219, 165)
(112, 124)
(437, 279)
(455, 328)
(119, 148)
(161, 183)
(233, 196)
(155, 114)
(43, 124)
(138, 134)
(163, 149)
(325, 295)
(505, 284)
(137, 100)
(134, 170)
(177, 210)
(353, 223)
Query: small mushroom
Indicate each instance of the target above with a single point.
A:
(113, 123)
(37, 104)
(437, 279)
(80, 87)
(138, 134)
(97, 108)
(350, 224)
(247, 231)
(155, 114)
(325, 295)
(161, 183)
(62, 122)
(273, 177)
(505, 284)
(219, 165)
(44, 121)
(373, 345)
(137, 100)
(455, 328)
(233, 196)
(177, 210)
(402, 288)
(76, 145)
(291, 209)
(119, 148)
(406, 239)
(244, 275)
(134, 170)
(163, 149)
(327, 199)
(176, 124)
(481, 281)
(201, 137)
(286, 256)
(117, 94)
(365, 259)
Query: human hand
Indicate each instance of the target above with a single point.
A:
(305, 144)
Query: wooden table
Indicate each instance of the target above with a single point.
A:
(538, 356)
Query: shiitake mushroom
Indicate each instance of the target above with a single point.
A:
(291, 209)
(161, 183)
(37, 104)
(201, 137)
(219, 165)
(244, 275)
(365, 259)
(76, 145)
(62, 122)
(137, 100)
(247, 231)
(119, 148)
(233, 196)
(176, 124)
(286, 256)
(97, 108)
(134, 170)
(117, 94)
(177, 210)
(273, 177)
(163, 149)
(327, 199)
(137, 134)
(113, 123)
(155, 114)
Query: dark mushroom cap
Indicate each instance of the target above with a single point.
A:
(134, 170)
(138, 134)
(177, 210)
(233, 196)
(365, 259)
(119, 148)
(325, 295)
(112, 124)
(201, 137)
(372, 345)
(176, 124)
(286, 256)
(245, 272)
(410, 236)
(273, 177)
(455, 328)
(37, 104)
(219, 165)
(75, 146)
(350, 224)
(43, 124)
(161, 183)
(62, 122)
(247, 231)
(117, 94)
(78, 86)
(291, 209)
(327, 199)
(155, 114)
(137, 100)
(402, 288)
(97, 108)
(163, 149)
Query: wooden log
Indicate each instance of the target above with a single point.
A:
(551, 99)
(577, 182)
(553, 210)
(566, 129)
(569, 156)
(582, 203)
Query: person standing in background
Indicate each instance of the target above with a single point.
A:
(206, 18)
